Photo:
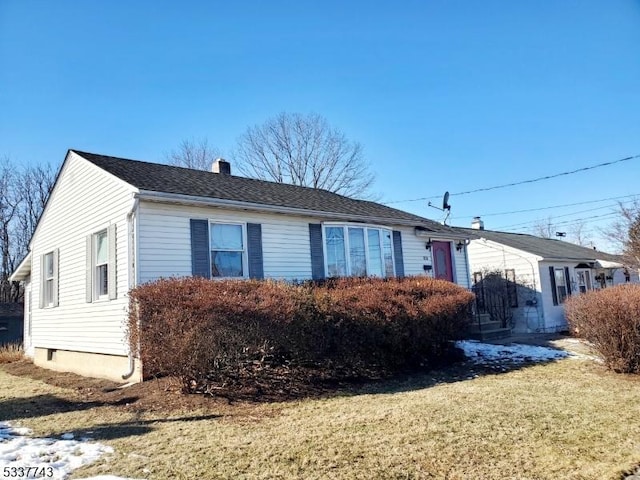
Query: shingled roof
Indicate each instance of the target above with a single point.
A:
(544, 247)
(155, 177)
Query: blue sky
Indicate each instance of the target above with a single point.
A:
(443, 95)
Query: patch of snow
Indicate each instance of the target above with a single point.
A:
(572, 340)
(59, 457)
(487, 353)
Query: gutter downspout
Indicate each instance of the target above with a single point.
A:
(131, 233)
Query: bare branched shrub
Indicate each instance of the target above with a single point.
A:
(610, 319)
(204, 331)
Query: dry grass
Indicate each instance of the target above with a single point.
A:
(565, 420)
(11, 352)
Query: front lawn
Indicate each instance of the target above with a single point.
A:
(566, 419)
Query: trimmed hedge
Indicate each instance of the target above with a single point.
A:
(610, 319)
(204, 331)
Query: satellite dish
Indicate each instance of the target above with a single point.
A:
(445, 202)
(445, 207)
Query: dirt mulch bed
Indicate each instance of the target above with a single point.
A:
(155, 395)
(246, 389)
(163, 395)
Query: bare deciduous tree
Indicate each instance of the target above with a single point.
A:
(575, 232)
(578, 234)
(544, 228)
(625, 232)
(195, 154)
(9, 202)
(23, 194)
(304, 150)
(34, 185)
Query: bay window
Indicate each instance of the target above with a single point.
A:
(358, 251)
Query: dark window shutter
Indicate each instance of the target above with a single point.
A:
(553, 285)
(317, 253)
(200, 254)
(568, 280)
(254, 250)
(397, 253)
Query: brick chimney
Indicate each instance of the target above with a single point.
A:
(477, 224)
(220, 165)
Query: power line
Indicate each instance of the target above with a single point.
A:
(563, 215)
(546, 208)
(573, 221)
(533, 180)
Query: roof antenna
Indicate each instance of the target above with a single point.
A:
(445, 207)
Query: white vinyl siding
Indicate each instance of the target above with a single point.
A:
(164, 240)
(554, 314)
(460, 266)
(488, 255)
(415, 254)
(28, 316)
(165, 243)
(417, 257)
(85, 200)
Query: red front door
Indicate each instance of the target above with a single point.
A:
(442, 260)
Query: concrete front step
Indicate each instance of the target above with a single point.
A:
(474, 327)
(493, 334)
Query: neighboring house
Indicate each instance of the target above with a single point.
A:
(541, 274)
(111, 224)
(11, 323)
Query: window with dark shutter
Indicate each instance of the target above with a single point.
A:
(254, 250)
(317, 254)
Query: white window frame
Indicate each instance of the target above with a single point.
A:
(588, 285)
(245, 256)
(47, 280)
(561, 300)
(92, 280)
(97, 295)
(345, 227)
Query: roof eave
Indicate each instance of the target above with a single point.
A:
(181, 199)
(569, 259)
(23, 271)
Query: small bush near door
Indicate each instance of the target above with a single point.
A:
(610, 319)
(205, 332)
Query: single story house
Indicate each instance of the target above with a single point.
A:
(111, 224)
(541, 274)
